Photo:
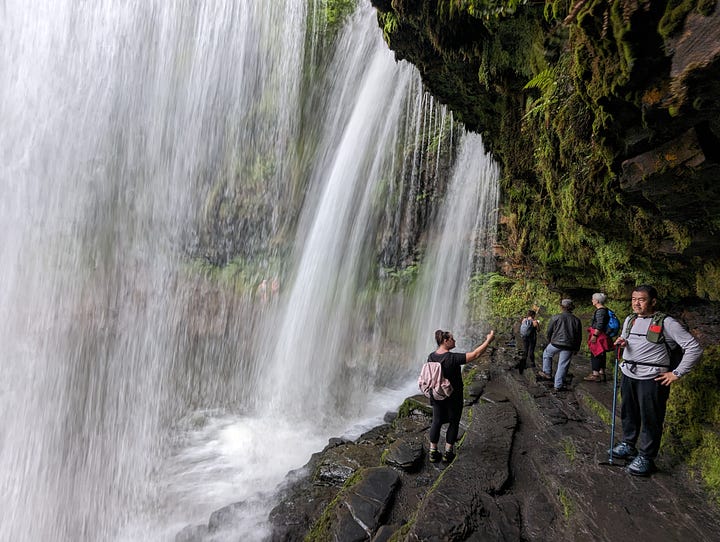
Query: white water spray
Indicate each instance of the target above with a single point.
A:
(138, 395)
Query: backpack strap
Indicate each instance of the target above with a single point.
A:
(655, 329)
(654, 335)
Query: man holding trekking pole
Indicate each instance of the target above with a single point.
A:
(648, 338)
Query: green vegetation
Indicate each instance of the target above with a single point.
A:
(692, 425)
(677, 10)
(481, 9)
(708, 281)
(569, 448)
(565, 502)
(598, 408)
(562, 90)
(320, 531)
(510, 298)
(399, 279)
(409, 405)
(335, 12)
(388, 23)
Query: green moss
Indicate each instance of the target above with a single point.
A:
(402, 532)
(707, 282)
(510, 298)
(321, 529)
(410, 405)
(692, 423)
(597, 408)
(240, 275)
(481, 9)
(569, 448)
(469, 377)
(389, 23)
(677, 10)
(336, 11)
(399, 279)
(706, 459)
(565, 502)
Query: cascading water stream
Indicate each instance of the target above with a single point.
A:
(139, 392)
(461, 244)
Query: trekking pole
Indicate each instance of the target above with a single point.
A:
(614, 401)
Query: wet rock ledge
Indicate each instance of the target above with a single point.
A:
(349, 493)
(531, 465)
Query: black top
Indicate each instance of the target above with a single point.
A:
(452, 363)
(600, 319)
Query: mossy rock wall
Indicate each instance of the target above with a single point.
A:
(605, 117)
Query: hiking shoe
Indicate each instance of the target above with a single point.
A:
(624, 450)
(543, 376)
(641, 466)
(448, 456)
(561, 388)
(434, 456)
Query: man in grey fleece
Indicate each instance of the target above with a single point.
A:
(564, 335)
(647, 376)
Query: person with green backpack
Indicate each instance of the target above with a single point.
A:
(648, 338)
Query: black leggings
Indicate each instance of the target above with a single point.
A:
(447, 411)
(529, 343)
(598, 362)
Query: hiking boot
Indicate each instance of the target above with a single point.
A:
(434, 456)
(543, 376)
(641, 466)
(561, 388)
(448, 456)
(624, 450)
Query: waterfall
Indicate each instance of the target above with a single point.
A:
(165, 165)
(461, 245)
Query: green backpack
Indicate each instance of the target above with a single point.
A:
(655, 335)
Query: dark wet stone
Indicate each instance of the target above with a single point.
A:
(405, 455)
(367, 501)
(333, 473)
(385, 532)
(347, 529)
(390, 417)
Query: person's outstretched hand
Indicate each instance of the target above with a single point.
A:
(490, 336)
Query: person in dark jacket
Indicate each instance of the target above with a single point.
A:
(564, 336)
